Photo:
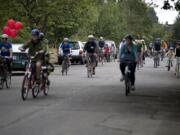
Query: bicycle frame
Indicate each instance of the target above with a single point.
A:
(156, 59)
(65, 64)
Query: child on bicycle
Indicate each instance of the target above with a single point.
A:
(170, 54)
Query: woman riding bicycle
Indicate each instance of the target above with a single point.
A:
(128, 53)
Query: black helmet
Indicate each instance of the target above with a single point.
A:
(129, 37)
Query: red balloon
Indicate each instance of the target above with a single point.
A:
(13, 33)
(11, 23)
(18, 25)
(7, 30)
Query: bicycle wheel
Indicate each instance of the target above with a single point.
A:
(155, 65)
(127, 85)
(8, 80)
(178, 71)
(1, 83)
(35, 90)
(46, 88)
(25, 88)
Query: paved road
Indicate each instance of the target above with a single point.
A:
(81, 106)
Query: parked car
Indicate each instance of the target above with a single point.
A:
(20, 59)
(77, 52)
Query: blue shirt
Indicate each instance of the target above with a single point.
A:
(5, 49)
(66, 49)
(129, 54)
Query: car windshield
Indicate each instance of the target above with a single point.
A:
(74, 45)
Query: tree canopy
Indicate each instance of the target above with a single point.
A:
(111, 19)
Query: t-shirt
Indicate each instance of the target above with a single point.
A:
(157, 45)
(5, 49)
(66, 49)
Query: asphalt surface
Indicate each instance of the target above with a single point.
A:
(77, 105)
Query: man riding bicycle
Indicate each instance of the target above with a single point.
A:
(128, 53)
(101, 48)
(157, 49)
(36, 48)
(91, 51)
(6, 51)
(66, 49)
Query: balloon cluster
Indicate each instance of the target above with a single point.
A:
(12, 27)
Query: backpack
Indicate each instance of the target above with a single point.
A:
(101, 44)
(157, 45)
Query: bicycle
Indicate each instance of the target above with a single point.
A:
(101, 57)
(178, 67)
(65, 65)
(89, 66)
(30, 82)
(169, 64)
(128, 78)
(5, 74)
(156, 59)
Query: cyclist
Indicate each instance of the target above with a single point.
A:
(91, 51)
(46, 60)
(139, 52)
(101, 48)
(36, 48)
(128, 53)
(6, 50)
(163, 49)
(66, 49)
(144, 47)
(177, 55)
(157, 48)
(170, 54)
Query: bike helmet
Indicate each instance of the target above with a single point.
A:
(129, 37)
(41, 35)
(66, 40)
(171, 48)
(90, 37)
(101, 38)
(5, 36)
(35, 32)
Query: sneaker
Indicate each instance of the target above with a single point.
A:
(122, 79)
(133, 88)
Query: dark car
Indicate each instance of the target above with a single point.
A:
(20, 59)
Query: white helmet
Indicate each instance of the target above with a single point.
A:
(66, 39)
(90, 37)
(4, 36)
(101, 38)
